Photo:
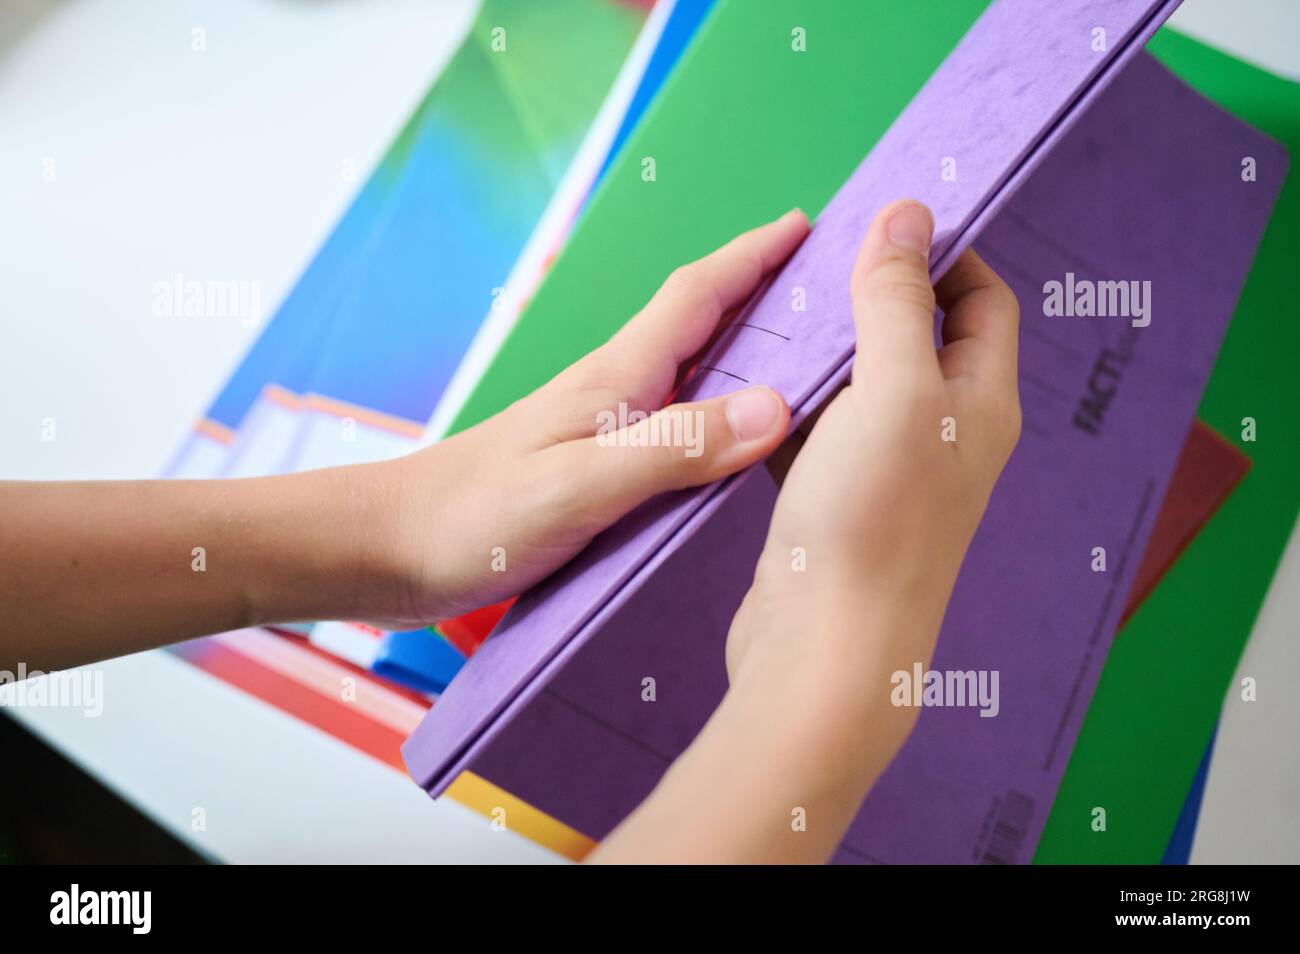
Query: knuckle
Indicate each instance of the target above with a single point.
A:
(547, 488)
(688, 289)
(900, 282)
(687, 282)
(1005, 300)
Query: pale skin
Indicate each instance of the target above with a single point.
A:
(881, 504)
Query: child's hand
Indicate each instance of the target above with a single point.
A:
(91, 570)
(870, 529)
(880, 503)
(883, 498)
(489, 512)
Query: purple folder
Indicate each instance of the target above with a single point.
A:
(1074, 166)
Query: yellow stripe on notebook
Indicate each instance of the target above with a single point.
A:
(475, 792)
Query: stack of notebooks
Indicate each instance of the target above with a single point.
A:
(1075, 143)
(376, 347)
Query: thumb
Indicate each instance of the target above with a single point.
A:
(893, 299)
(683, 445)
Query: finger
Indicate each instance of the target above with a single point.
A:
(684, 445)
(981, 324)
(782, 459)
(893, 300)
(686, 310)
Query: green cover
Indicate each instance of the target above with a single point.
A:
(745, 128)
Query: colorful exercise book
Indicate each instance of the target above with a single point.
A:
(440, 268)
(479, 103)
(315, 443)
(469, 175)
(667, 32)
(1058, 193)
(428, 246)
(383, 315)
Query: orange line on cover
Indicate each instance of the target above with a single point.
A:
(282, 396)
(217, 432)
(368, 416)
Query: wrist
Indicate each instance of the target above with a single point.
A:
(830, 653)
(318, 551)
(842, 617)
(825, 658)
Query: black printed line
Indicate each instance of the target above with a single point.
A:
(706, 367)
(745, 324)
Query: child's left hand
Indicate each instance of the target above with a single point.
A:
(96, 569)
(491, 511)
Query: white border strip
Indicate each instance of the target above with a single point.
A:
(552, 227)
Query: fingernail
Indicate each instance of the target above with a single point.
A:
(752, 412)
(911, 227)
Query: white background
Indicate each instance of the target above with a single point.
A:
(229, 165)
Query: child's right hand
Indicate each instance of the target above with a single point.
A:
(882, 500)
(878, 509)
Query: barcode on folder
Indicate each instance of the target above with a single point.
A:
(1008, 829)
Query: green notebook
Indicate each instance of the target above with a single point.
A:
(745, 128)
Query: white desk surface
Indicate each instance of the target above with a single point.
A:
(228, 164)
